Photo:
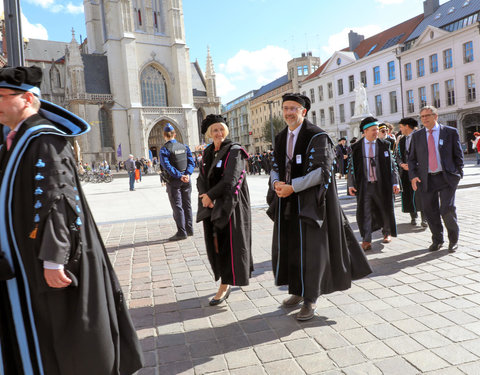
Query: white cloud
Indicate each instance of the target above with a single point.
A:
(36, 31)
(259, 67)
(339, 41)
(55, 7)
(224, 86)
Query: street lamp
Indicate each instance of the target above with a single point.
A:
(398, 52)
(270, 102)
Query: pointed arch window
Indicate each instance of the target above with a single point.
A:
(55, 81)
(154, 88)
(105, 127)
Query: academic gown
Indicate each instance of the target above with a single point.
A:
(224, 179)
(314, 250)
(84, 328)
(386, 174)
(410, 200)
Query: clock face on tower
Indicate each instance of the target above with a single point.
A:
(339, 61)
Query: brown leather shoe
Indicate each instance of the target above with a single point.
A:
(307, 311)
(292, 301)
(366, 245)
(387, 239)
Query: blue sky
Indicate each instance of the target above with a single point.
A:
(250, 40)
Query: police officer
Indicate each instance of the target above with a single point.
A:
(177, 164)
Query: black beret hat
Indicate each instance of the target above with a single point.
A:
(367, 122)
(342, 139)
(303, 100)
(212, 119)
(409, 121)
(21, 78)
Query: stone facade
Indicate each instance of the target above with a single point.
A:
(130, 77)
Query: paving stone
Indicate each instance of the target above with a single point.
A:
(331, 340)
(403, 344)
(455, 354)
(250, 370)
(358, 336)
(272, 352)
(472, 346)
(209, 364)
(470, 368)
(396, 365)
(241, 358)
(202, 349)
(345, 357)
(384, 331)
(425, 360)
(446, 371)
(288, 366)
(410, 326)
(457, 333)
(362, 369)
(303, 347)
(431, 339)
(375, 350)
(316, 363)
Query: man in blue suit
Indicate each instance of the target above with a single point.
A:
(435, 165)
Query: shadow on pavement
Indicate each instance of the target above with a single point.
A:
(179, 348)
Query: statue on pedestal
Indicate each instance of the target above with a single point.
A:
(361, 102)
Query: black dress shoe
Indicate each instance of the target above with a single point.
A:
(189, 234)
(424, 224)
(215, 302)
(178, 237)
(435, 246)
(413, 222)
(307, 311)
(452, 247)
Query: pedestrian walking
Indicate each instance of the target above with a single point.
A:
(177, 164)
(224, 208)
(373, 179)
(476, 146)
(62, 308)
(435, 166)
(341, 155)
(411, 202)
(314, 250)
(130, 168)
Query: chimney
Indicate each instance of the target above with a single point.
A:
(303, 54)
(430, 6)
(354, 40)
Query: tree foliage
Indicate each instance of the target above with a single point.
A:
(278, 126)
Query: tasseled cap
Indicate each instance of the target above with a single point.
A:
(368, 122)
(22, 78)
(212, 119)
(303, 100)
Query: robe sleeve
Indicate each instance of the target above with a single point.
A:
(232, 175)
(58, 211)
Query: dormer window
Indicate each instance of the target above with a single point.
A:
(466, 3)
(451, 10)
(438, 16)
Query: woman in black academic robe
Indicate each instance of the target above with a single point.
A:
(224, 207)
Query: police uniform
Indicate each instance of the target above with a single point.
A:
(176, 160)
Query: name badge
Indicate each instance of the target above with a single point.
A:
(440, 142)
(299, 159)
(387, 154)
(219, 164)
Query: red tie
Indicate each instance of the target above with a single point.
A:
(432, 153)
(10, 137)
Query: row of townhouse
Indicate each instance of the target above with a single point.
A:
(430, 59)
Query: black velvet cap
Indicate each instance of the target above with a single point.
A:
(212, 119)
(303, 100)
(367, 122)
(21, 78)
(409, 121)
(342, 139)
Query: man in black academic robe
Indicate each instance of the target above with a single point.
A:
(314, 250)
(341, 154)
(63, 310)
(373, 178)
(411, 201)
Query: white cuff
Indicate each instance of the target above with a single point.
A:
(52, 266)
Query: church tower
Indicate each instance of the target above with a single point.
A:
(210, 77)
(149, 70)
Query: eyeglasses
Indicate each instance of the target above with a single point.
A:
(291, 109)
(383, 131)
(14, 94)
(424, 116)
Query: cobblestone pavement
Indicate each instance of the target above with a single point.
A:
(417, 313)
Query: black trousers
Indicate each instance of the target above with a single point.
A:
(373, 196)
(439, 203)
(179, 194)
